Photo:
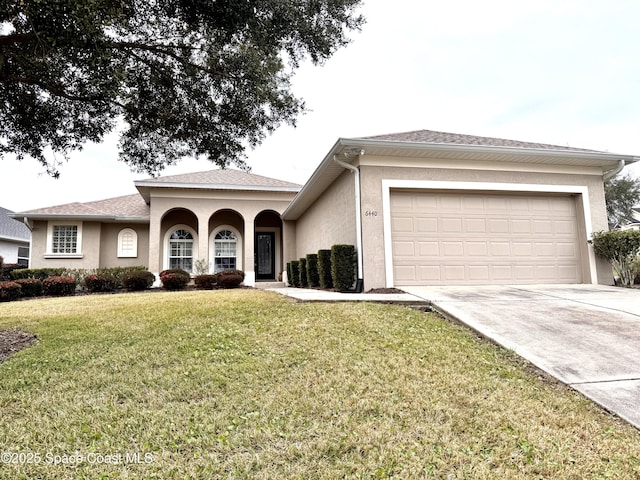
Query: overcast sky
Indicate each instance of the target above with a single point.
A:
(563, 72)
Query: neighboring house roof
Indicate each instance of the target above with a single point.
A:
(128, 207)
(227, 179)
(12, 229)
(428, 144)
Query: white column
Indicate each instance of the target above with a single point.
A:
(249, 252)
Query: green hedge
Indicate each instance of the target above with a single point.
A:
(38, 273)
(343, 266)
(312, 270)
(303, 272)
(324, 269)
(295, 273)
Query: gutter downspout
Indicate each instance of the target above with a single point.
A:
(612, 173)
(356, 170)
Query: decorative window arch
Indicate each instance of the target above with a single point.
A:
(127, 243)
(181, 247)
(227, 249)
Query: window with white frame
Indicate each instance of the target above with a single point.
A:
(181, 250)
(127, 243)
(64, 239)
(225, 246)
(23, 256)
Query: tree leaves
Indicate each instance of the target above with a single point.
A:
(621, 193)
(187, 77)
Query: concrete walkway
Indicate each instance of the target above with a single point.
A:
(313, 295)
(587, 336)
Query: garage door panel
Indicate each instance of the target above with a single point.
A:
(475, 238)
(424, 225)
(402, 224)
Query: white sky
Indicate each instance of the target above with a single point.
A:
(563, 72)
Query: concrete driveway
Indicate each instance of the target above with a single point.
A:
(587, 336)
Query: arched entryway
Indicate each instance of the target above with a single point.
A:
(226, 241)
(268, 245)
(179, 244)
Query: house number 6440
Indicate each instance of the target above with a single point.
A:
(370, 213)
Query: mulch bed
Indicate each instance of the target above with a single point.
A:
(12, 341)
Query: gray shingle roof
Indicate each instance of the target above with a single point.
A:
(221, 178)
(125, 206)
(12, 228)
(431, 136)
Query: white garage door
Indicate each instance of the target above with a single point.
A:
(484, 238)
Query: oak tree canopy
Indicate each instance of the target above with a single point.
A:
(177, 77)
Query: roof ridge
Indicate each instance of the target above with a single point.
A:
(448, 138)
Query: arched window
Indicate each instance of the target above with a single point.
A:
(224, 246)
(127, 243)
(181, 250)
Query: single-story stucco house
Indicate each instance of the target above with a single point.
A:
(421, 207)
(14, 239)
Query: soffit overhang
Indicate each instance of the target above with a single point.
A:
(347, 150)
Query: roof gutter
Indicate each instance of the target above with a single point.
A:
(614, 171)
(356, 171)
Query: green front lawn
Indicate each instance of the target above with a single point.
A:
(247, 384)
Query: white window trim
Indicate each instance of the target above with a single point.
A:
(212, 248)
(133, 253)
(49, 252)
(388, 184)
(165, 244)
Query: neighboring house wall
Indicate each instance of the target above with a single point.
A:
(375, 169)
(9, 250)
(330, 220)
(109, 255)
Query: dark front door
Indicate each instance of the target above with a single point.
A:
(265, 256)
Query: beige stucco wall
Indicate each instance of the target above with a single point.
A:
(206, 210)
(90, 248)
(374, 170)
(329, 221)
(109, 245)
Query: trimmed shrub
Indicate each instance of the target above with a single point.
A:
(205, 281)
(620, 248)
(39, 273)
(175, 279)
(31, 287)
(295, 273)
(313, 279)
(343, 263)
(289, 274)
(324, 269)
(9, 291)
(303, 272)
(138, 280)
(100, 282)
(59, 285)
(118, 273)
(230, 278)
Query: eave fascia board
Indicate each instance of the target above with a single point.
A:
(201, 186)
(446, 147)
(88, 218)
(6, 238)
